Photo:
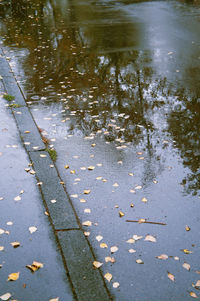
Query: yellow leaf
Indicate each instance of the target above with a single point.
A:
(150, 238)
(108, 276)
(162, 256)
(97, 264)
(187, 228)
(87, 223)
(98, 178)
(72, 171)
(109, 259)
(13, 276)
(121, 213)
(87, 210)
(132, 205)
(186, 251)
(130, 174)
(17, 198)
(31, 267)
(144, 200)
(37, 264)
(141, 220)
(186, 266)
(86, 191)
(15, 244)
(114, 249)
(192, 294)
(171, 276)
(1, 248)
(66, 166)
(103, 245)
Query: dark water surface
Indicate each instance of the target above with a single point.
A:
(116, 85)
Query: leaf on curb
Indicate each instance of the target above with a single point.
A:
(13, 276)
(97, 264)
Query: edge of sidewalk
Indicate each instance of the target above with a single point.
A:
(77, 253)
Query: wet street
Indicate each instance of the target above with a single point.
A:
(114, 87)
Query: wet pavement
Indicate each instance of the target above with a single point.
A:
(115, 88)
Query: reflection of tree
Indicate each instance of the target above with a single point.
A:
(184, 126)
(109, 85)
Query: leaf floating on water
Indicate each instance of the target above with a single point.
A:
(136, 237)
(186, 251)
(144, 200)
(116, 284)
(99, 237)
(87, 234)
(108, 276)
(176, 258)
(109, 259)
(91, 167)
(186, 266)
(139, 261)
(114, 249)
(197, 285)
(35, 266)
(66, 166)
(87, 223)
(138, 187)
(192, 294)
(72, 172)
(187, 228)
(132, 251)
(13, 276)
(17, 198)
(86, 191)
(130, 241)
(162, 256)
(150, 238)
(5, 296)
(2, 231)
(55, 299)
(130, 174)
(32, 229)
(171, 276)
(87, 210)
(115, 185)
(97, 264)
(15, 244)
(82, 200)
(103, 245)
(121, 214)
(1, 248)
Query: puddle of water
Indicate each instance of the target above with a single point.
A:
(116, 86)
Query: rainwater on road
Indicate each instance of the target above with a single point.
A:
(115, 88)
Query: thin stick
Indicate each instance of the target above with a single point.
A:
(146, 222)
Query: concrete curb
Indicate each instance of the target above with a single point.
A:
(76, 251)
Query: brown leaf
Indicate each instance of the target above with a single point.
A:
(13, 276)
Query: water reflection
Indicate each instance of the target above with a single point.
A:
(88, 56)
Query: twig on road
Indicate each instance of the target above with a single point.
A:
(145, 222)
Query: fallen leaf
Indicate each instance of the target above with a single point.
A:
(192, 294)
(136, 237)
(97, 264)
(87, 210)
(186, 251)
(150, 238)
(99, 237)
(99, 178)
(171, 276)
(197, 284)
(121, 214)
(115, 284)
(5, 296)
(187, 228)
(141, 221)
(43, 155)
(55, 299)
(103, 245)
(108, 276)
(109, 259)
(86, 191)
(32, 172)
(115, 185)
(2, 231)
(13, 276)
(87, 234)
(139, 261)
(162, 256)
(144, 200)
(87, 223)
(15, 244)
(74, 196)
(114, 249)
(132, 205)
(53, 201)
(1, 248)
(35, 266)
(138, 187)
(91, 167)
(17, 198)
(66, 166)
(176, 258)
(32, 229)
(186, 266)
(130, 174)
(82, 200)
(132, 251)
(130, 241)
